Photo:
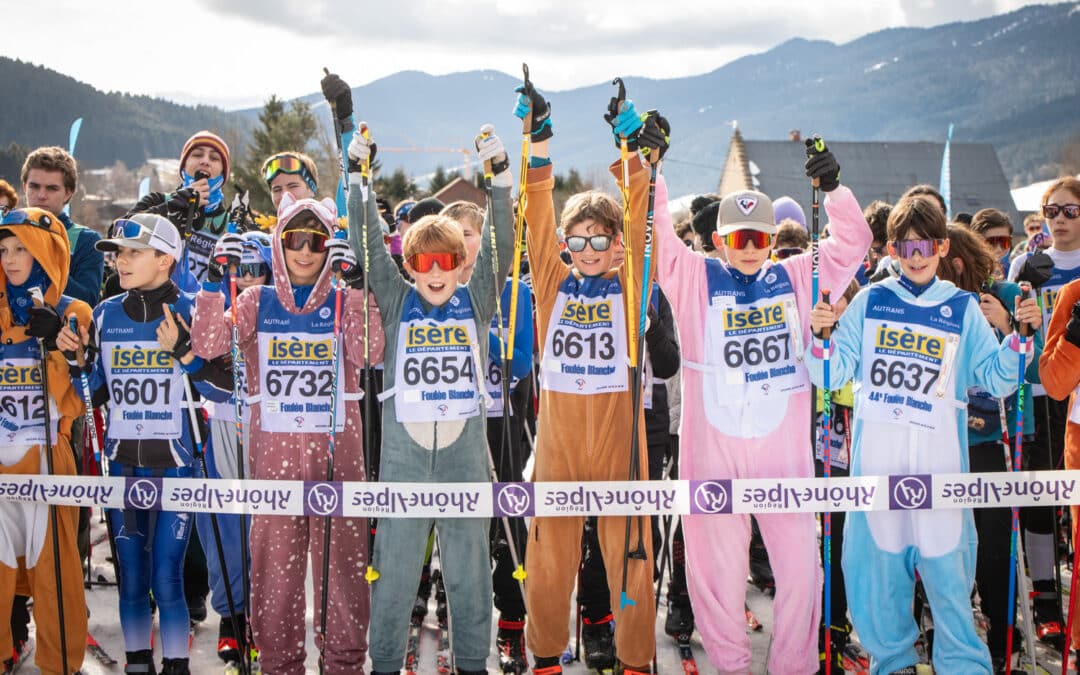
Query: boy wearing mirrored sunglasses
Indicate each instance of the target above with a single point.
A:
(914, 346)
(137, 357)
(434, 427)
(746, 405)
(286, 333)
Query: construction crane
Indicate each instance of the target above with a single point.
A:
(464, 152)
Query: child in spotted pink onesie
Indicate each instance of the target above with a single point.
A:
(285, 332)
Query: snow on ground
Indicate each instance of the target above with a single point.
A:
(105, 627)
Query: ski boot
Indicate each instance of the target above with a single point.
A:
(599, 640)
(175, 667)
(1048, 620)
(228, 643)
(510, 643)
(680, 619)
(548, 665)
(626, 670)
(141, 662)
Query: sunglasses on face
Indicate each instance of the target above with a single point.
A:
(739, 239)
(787, 252)
(1071, 211)
(909, 247)
(1002, 241)
(423, 262)
(253, 269)
(598, 242)
(295, 240)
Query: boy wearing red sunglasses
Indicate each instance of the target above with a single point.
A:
(285, 333)
(434, 428)
(915, 345)
(746, 405)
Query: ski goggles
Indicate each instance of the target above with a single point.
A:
(787, 252)
(1000, 241)
(288, 163)
(252, 269)
(909, 247)
(598, 242)
(1071, 211)
(20, 217)
(423, 262)
(740, 238)
(295, 240)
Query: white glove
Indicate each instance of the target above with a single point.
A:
(229, 249)
(359, 153)
(339, 255)
(490, 148)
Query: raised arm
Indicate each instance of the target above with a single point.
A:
(487, 283)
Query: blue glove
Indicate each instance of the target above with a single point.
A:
(625, 121)
(530, 99)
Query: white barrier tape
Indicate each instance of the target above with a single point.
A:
(608, 498)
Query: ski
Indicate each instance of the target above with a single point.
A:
(412, 648)
(686, 653)
(98, 652)
(444, 664)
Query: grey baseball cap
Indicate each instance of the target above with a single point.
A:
(144, 230)
(745, 210)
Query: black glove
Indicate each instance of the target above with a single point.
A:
(654, 135)
(215, 272)
(45, 324)
(178, 201)
(338, 95)
(1036, 270)
(1072, 329)
(540, 109)
(183, 340)
(822, 164)
(89, 357)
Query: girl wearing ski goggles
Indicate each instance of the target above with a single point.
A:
(296, 240)
(907, 248)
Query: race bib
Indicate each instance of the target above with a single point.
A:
(585, 348)
(297, 383)
(907, 356)
(145, 390)
(22, 402)
(754, 348)
(839, 437)
(200, 247)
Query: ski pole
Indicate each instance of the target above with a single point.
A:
(1072, 609)
(44, 370)
(504, 379)
(369, 388)
(239, 209)
(817, 144)
(95, 440)
(339, 286)
(196, 435)
(826, 427)
(1024, 330)
(638, 553)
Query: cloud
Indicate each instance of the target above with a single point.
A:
(937, 12)
(562, 26)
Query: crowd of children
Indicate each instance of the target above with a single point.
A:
(704, 349)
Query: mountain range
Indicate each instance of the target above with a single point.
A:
(1012, 80)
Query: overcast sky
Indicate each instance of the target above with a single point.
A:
(236, 53)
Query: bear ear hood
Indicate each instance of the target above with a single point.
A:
(290, 208)
(44, 236)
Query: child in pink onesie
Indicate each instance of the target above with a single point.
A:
(746, 408)
(285, 331)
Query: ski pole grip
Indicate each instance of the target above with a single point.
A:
(526, 122)
(1024, 328)
(825, 332)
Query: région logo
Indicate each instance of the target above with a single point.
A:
(711, 497)
(322, 499)
(143, 494)
(909, 492)
(513, 500)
